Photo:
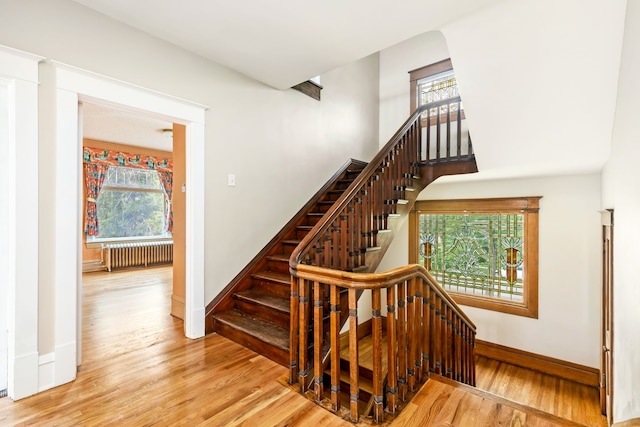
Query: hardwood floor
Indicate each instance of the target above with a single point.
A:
(547, 393)
(138, 369)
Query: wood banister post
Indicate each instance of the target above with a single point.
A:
(344, 248)
(354, 360)
(436, 331)
(392, 343)
(318, 335)
(402, 340)
(459, 132)
(418, 330)
(426, 326)
(334, 300)
(411, 335)
(376, 331)
(303, 364)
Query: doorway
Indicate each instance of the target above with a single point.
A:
(140, 215)
(71, 87)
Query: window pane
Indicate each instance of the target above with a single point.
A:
(479, 254)
(436, 88)
(118, 176)
(130, 213)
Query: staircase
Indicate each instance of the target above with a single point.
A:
(291, 301)
(253, 310)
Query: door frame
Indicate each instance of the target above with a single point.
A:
(606, 360)
(19, 229)
(73, 85)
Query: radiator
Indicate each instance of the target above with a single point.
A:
(138, 254)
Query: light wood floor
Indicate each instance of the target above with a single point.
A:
(139, 370)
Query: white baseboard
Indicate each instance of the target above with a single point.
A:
(23, 378)
(46, 371)
(66, 366)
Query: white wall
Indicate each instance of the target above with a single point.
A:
(281, 145)
(568, 326)
(395, 64)
(539, 77)
(620, 191)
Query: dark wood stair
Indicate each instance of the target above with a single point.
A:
(254, 310)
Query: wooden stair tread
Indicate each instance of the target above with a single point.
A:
(365, 351)
(273, 276)
(260, 329)
(364, 383)
(266, 299)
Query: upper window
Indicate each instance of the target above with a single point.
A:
(131, 204)
(483, 251)
(435, 82)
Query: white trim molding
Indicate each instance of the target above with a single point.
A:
(19, 221)
(73, 85)
(46, 371)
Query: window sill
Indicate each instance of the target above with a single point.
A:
(495, 304)
(97, 243)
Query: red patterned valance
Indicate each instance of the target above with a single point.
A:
(118, 158)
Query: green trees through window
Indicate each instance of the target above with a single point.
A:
(483, 251)
(131, 204)
(474, 253)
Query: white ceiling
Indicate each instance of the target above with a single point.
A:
(285, 42)
(539, 58)
(124, 127)
(256, 38)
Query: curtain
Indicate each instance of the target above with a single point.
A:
(130, 160)
(96, 161)
(166, 178)
(94, 174)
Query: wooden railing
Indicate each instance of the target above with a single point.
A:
(353, 225)
(425, 332)
(354, 234)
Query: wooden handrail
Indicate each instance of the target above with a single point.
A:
(352, 237)
(382, 280)
(399, 161)
(426, 332)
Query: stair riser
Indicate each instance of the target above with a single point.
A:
(334, 195)
(345, 391)
(280, 266)
(287, 248)
(362, 371)
(265, 313)
(313, 219)
(300, 234)
(276, 288)
(343, 185)
(363, 396)
(323, 207)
